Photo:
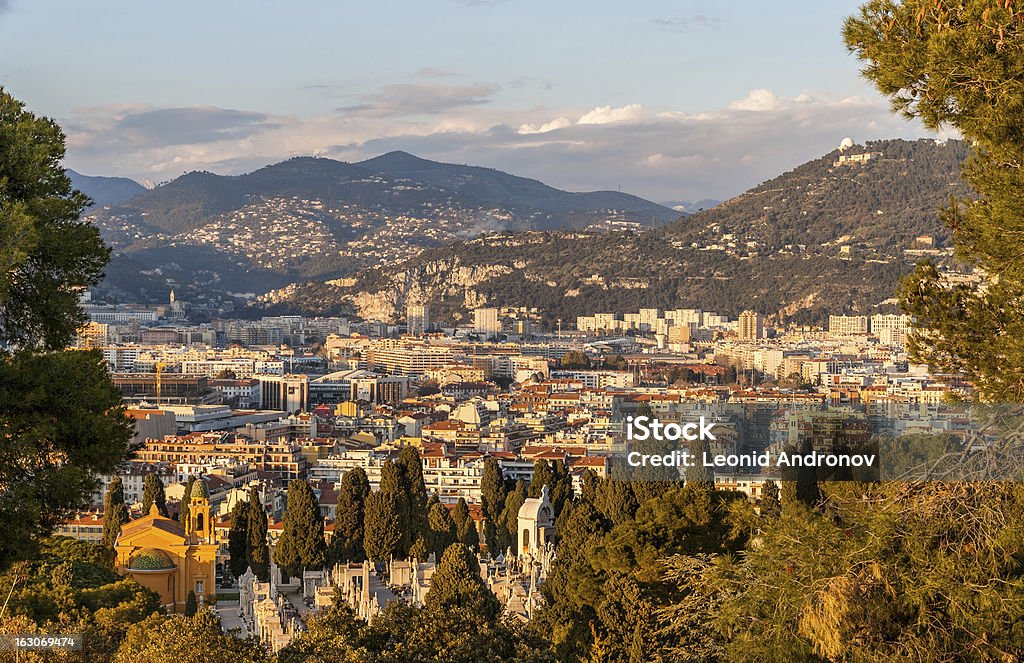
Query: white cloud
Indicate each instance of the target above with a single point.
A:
(758, 100)
(607, 114)
(665, 155)
(557, 123)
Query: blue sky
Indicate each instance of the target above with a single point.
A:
(669, 100)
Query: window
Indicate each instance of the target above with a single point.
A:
(199, 588)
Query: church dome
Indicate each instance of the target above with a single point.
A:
(151, 559)
(199, 490)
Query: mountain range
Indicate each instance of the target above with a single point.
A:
(833, 235)
(315, 218)
(105, 190)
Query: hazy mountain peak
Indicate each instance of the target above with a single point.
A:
(105, 190)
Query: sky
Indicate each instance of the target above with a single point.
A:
(669, 100)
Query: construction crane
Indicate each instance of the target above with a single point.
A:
(159, 370)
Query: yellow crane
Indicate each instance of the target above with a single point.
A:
(159, 370)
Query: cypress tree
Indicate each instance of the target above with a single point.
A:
(800, 484)
(347, 544)
(394, 490)
(431, 501)
(561, 486)
(382, 532)
(301, 545)
(542, 476)
(191, 604)
(490, 536)
(698, 473)
(771, 507)
(183, 506)
(456, 583)
(616, 501)
(238, 538)
(469, 535)
(257, 551)
(415, 490)
(115, 514)
(153, 493)
(510, 517)
(492, 490)
(460, 514)
(442, 528)
(420, 549)
(590, 481)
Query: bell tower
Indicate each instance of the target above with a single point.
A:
(200, 529)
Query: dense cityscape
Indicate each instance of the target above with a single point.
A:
(247, 407)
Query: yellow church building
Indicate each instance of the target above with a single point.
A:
(172, 560)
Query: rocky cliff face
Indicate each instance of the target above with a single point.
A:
(430, 281)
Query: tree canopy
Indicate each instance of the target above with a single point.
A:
(961, 65)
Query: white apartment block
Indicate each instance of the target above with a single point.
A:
(847, 325)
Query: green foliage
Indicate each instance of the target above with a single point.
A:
(191, 604)
(960, 64)
(182, 639)
(301, 545)
(115, 513)
(334, 635)
(456, 583)
(509, 524)
(610, 587)
(800, 489)
(62, 422)
(771, 506)
(698, 473)
(47, 255)
(69, 588)
(685, 627)
(153, 493)
(347, 544)
(382, 533)
(574, 359)
(238, 539)
(443, 530)
(257, 550)
(183, 505)
(615, 500)
(60, 417)
(414, 493)
(492, 490)
(469, 536)
(616, 363)
(589, 482)
(395, 488)
(460, 514)
(894, 571)
(442, 631)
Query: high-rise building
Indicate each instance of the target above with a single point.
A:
(751, 326)
(284, 392)
(418, 318)
(486, 321)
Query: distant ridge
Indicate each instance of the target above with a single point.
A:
(311, 217)
(105, 190)
(823, 237)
